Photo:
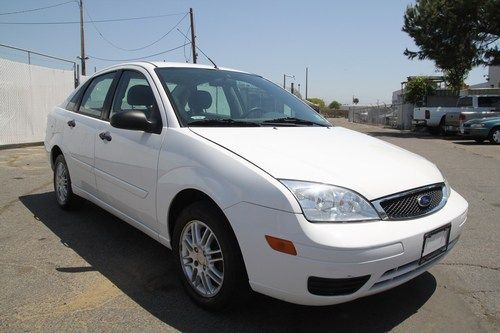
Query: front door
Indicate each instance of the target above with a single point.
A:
(126, 161)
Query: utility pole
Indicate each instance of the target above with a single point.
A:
(82, 40)
(193, 36)
(307, 77)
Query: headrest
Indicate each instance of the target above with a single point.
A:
(199, 99)
(140, 95)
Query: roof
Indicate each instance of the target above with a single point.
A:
(166, 64)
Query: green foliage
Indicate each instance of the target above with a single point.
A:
(317, 101)
(418, 88)
(457, 35)
(334, 105)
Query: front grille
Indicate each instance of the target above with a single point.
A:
(335, 287)
(406, 205)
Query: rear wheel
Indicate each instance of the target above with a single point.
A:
(65, 197)
(495, 135)
(208, 257)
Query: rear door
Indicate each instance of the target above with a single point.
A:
(81, 128)
(126, 161)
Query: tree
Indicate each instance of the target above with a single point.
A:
(317, 101)
(457, 35)
(418, 88)
(355, 100)
(334, 105)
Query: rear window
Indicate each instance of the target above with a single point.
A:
(489, 101)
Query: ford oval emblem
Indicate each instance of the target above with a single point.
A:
(424, 200)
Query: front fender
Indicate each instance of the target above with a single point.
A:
(189, 161)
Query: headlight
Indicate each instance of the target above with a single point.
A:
(446, 190)
(476, 125)
(322, 203)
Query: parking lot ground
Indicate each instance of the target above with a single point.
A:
(88, 271)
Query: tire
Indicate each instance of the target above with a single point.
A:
(442, 127)
(65, 197)
(495, 136)
(220, 279)
(434, 130)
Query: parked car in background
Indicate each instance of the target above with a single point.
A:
(249, 186)
(482, 129)
(434, 118)
(453, 121)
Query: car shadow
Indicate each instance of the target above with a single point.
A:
(474, 143)
(143, 270)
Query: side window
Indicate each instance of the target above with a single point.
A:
(464, 101)
(93, 100)
(219, 101)
(134, 93)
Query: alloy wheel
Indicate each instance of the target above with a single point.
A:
(496, 136)
(201, 258)
(62, 181)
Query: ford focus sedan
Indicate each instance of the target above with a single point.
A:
(249, 186)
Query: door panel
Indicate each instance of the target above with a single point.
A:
(79, 141)
(126, 165)
(80, 131)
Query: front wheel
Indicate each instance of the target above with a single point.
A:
(208, 257)
(495, 136)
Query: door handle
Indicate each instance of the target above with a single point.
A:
(105, 136)
(71, 123)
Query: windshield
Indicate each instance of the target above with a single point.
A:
(212, 97)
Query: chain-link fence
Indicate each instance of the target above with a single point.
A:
(396, 116)
(28, 92)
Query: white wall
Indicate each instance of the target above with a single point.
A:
(27, 94)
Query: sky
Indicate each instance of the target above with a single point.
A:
(351, 47)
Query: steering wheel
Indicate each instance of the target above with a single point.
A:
(256, 112)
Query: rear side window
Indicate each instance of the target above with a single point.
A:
(489, 102)
(74, 98)
(95, 96)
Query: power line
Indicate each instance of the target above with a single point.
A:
(134, 49)
(132, 59)
(95, 21)
(36, 9)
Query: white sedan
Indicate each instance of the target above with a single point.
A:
(249, 186)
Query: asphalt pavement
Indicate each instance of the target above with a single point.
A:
(88, 271)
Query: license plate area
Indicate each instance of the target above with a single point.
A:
(435, 243)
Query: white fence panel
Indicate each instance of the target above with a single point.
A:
(27, 94)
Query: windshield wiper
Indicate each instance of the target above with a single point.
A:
(293, 121)
(226, 122)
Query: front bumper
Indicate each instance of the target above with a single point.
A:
(474, 133)
(386, 251)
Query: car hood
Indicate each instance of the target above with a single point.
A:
(483, 120)
(334, 155)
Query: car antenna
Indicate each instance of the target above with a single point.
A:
(213, 63)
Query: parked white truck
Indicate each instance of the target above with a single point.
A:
(434, 118)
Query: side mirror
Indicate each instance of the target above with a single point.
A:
(132, 120)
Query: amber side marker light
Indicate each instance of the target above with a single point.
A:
(281, 245)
